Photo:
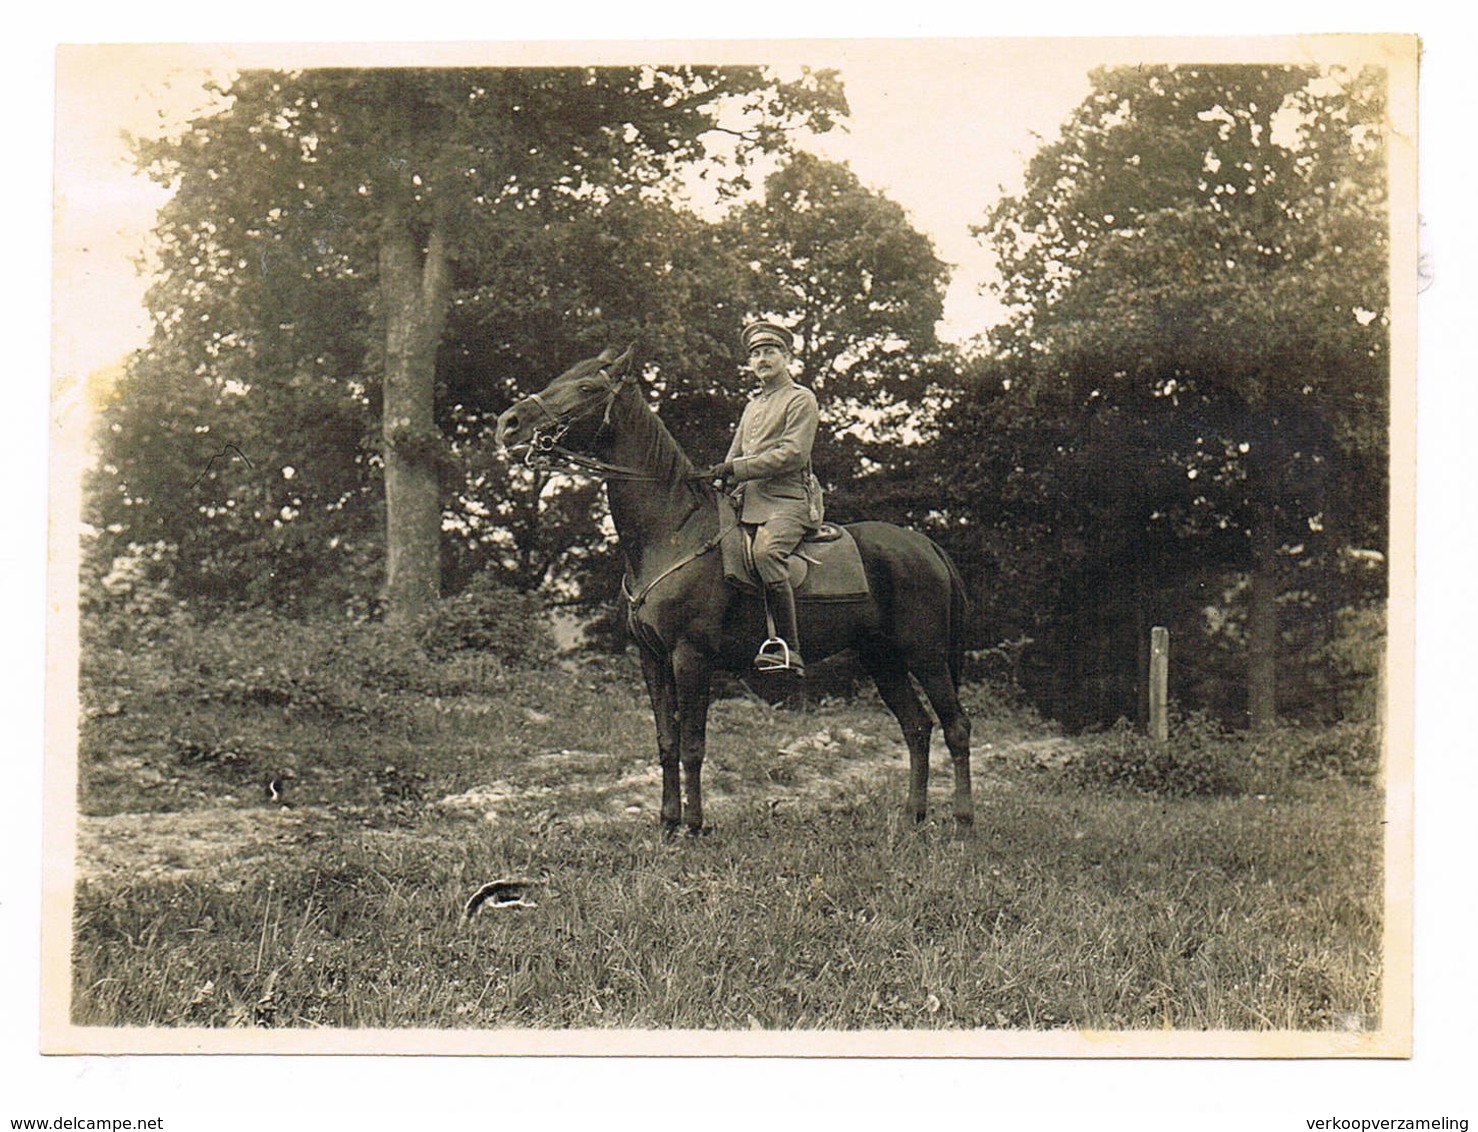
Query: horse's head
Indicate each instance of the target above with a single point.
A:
(571, 409)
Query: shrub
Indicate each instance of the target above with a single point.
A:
(488, 618)
(332, 667)
(1353, 659)
(995, 703)
(1203, 758)
(120, 659)
(132, 585)
(1200, 758)
(1350, 750)
(328, 665)
(1000, 664)
(335, 668)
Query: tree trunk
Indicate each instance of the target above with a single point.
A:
(413, 291)
(1143, 683)
(1262, 619)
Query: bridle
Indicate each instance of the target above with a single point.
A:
(545, 447)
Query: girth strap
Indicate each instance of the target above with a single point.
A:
(636, 598)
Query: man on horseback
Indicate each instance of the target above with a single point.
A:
(908, 628)
(770, 458)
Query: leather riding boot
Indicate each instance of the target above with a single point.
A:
(787, 656)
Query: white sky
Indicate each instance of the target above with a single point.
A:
(104, 210)
(940, 133)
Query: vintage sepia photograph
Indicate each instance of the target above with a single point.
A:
(858, 548)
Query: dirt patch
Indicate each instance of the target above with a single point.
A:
(820, 769)
(150, 846)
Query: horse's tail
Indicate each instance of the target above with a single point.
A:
(959, 615)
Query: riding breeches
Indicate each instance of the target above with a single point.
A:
(774, 541)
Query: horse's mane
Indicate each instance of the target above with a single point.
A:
(659, 449)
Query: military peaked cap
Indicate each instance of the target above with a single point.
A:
(768, 333)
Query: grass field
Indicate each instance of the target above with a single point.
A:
(204, 900)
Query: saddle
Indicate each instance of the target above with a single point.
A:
(826, 566)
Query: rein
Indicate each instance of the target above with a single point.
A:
(544, 448)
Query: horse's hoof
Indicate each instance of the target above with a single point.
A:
(698, 830)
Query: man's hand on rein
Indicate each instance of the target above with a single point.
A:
(717, 473)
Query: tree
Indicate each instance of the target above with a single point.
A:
(243, 462)
(367, 186)
(1199, 259)
(842, 265)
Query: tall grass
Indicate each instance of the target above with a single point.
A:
(1224, 914)
(1081, 903)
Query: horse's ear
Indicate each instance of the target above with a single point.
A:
(618, 365)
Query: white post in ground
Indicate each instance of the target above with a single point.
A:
(1159, 684)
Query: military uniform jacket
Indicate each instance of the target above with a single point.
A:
(771, 454)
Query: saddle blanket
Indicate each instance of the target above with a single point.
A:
(824, 569)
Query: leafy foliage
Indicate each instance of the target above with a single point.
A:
(331, 668)
(340, 669)
(487, 618)
(1203, 758)
(844, 268)
(1200, 759)
(1193, 384)
(1354, 661)
(842, 265)
(326, 227)
(1349, 750)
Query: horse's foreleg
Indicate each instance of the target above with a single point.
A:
(891, 678)
(692, 672)
(662, 691)
(944, 697)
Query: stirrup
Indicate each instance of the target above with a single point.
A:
(775, 656)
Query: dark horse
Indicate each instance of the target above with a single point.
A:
(688, 622)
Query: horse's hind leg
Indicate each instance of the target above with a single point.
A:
(945, 699)
(891, 677)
